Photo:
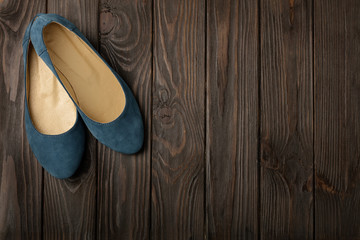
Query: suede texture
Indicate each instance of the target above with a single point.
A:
(61, 154)
(126, 133)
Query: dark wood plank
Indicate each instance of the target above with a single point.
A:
(178, 120)
(286, 208)
(70, 205)
(20, 173)
(337, 117)
(232, 119)
(124, 180)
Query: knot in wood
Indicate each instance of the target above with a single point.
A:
(165, 115)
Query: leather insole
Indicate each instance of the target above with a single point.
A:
(85, 76)
(51, 110)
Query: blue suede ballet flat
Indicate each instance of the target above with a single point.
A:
(103, 99)
(55, 132)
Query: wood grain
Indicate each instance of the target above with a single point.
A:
(286, 208)
(337, 117)
(124, 180)
(177, 194)
(232, 119)
(243, 102)
(70, 205)
(20, 173)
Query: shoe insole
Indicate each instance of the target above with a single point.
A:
(51, 109)
(85, 76)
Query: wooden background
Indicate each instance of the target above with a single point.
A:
(252, 114)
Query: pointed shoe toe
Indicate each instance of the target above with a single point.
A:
(60, 155)
(102, 98)
(55, 132)
(125, 134)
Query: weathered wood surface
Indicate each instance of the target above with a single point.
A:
(21, 177)
(337, 119)
(251, 112)
(178, 147)
(232, 119)
(286, 130)
(124, 180)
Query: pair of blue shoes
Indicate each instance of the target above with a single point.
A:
(68, 86)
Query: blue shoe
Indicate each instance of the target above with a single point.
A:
(54, 130)
(103, 99)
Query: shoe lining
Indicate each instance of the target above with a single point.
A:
(91, 84)
(51, 110)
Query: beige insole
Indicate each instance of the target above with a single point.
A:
(51, 109)
(86, 77)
